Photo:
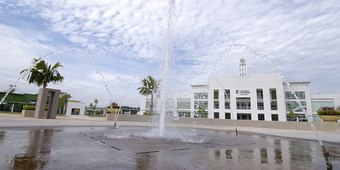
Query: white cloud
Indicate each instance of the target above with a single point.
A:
(127, 38)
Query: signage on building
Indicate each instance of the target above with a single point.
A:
(242, 92)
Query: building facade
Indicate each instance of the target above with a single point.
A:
(262, 97)
(256, 97)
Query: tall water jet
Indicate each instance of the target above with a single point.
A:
(166, 66)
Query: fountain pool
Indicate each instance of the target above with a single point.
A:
(141, 148)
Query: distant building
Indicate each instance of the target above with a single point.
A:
(75, 108)
(263, 97)
(15, 101)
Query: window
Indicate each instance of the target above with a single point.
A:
(203, 104)
(184, 114)
(226, 105)
(260, 106)
(215, 94)
(216, 105)
(216, 115)
(227, 115)
(204, 115)
(273, 105)
(75, 111)
(243, 103)
(243, 116)
(227, 99)
(294, 106)
(200, 95)
(273, 94)
(260, 116)
(183, 103)
(259, 93)
(275, 117)
(299, 95)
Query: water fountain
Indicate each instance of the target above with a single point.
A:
(131, 147)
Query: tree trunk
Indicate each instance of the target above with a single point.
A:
(151, 106)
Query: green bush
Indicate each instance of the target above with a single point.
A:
(147, 114)
(28, 107)
(31, 107)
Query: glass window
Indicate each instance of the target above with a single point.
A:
(260, 116)
(227, 94)
(184, 114)
(75, 111)
(216, 115)
(183, 103)
(216, 104)
(203, 104)
(260, 106)
(201, 95)
(243, 116)
(215, 94)
(273, 94)
(299, 94)
(259, 93)
(294, 106)
(275, 117)
(243, 103)
(227, 115)
(273, 105)
(316, 105)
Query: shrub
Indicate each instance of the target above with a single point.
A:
(28, 107)
(328, 111)
(31, 107)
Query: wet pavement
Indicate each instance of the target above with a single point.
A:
(141, 148)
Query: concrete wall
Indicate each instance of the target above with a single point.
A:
(71, 105)
(321, 126)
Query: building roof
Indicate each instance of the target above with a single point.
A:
(19, 98)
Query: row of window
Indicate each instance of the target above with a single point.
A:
(246, 116)
(244, 103)
(259, 93)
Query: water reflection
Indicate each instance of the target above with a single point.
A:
(277, 151)
(37, 153)
(217, 154)
(143, 161)
(264, 156)
(228, 154)
(2, 136)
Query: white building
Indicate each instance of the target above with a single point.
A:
(254, 97)
(75, 108)
(263, 97)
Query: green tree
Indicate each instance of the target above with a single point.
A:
(291, 115)
(42, 73)
(94, 106)
(62, 105)
(149, 87)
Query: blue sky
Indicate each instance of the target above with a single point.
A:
(126, 39)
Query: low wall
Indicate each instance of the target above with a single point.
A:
(320, 126)
(30, 113)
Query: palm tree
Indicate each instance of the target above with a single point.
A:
(42, 73)
(149, 87)
(62, 104)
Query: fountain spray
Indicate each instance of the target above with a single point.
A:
(256, 53)
(166, 66)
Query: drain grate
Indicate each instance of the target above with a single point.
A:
(115, 148)
(180, 149)
(210, 146)
(146, 152)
